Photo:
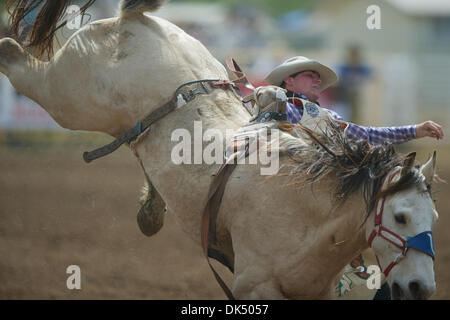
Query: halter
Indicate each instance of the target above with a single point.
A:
(422, 242)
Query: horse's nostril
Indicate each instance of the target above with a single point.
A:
(397, 292)
(416, 290)
(414, 286)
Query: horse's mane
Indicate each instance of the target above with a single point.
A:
(354, 164)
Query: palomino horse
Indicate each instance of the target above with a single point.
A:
(283, 238)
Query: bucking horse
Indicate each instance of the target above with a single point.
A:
(140, 78)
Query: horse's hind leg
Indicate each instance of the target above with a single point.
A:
(11, 53)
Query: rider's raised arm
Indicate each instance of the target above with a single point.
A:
(379, 135)
(395, 135)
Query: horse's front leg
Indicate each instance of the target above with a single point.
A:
(255, 283)
(254, 276)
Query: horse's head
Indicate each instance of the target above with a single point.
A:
(400, 234)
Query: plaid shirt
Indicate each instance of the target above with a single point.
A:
(374, 135)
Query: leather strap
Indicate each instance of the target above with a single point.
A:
(216, 191)
(160, 112)
(132, 133)
(215, 194)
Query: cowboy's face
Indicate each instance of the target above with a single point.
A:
(306, 82)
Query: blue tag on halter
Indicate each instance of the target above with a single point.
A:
(422, 242)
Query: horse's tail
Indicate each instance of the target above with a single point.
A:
(140, 5)
(45, 25)
(50, 12)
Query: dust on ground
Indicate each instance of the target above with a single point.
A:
(57, 211)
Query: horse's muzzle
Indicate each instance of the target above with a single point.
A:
(416, 290)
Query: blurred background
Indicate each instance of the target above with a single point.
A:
(393, 71)
(394, 75)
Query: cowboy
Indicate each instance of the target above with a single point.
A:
(304, 80)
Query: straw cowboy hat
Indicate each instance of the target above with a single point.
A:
(298, 64)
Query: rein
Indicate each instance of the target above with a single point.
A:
(422, 242)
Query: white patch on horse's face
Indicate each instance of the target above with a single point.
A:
(408, 213)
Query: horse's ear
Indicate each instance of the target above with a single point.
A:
(408, 163)
(428, 169)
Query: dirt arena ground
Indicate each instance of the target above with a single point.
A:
(57, 211)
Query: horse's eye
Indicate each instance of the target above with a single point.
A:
(400, 218)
